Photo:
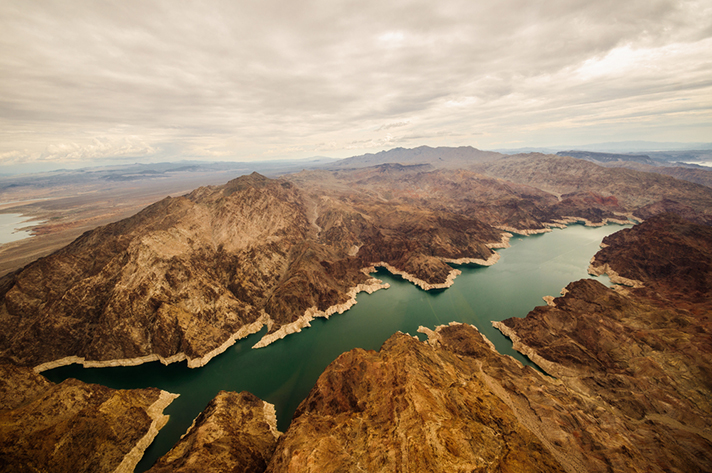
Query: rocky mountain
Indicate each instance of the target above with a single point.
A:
(413, 407)
(460, 157)
(73, 426)
(689, 172)
(574, 178)
(628, 385)
(187, 276)
(235, 432)
(608, 157)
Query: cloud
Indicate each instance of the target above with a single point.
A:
(98, 149)
(239, 79)
(388, 126)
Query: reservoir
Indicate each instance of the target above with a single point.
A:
(284, 372)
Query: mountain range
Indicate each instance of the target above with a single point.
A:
(189, 275)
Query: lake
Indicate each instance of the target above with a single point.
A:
(284, 372)
(9, 223)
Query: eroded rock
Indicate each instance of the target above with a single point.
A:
(78, 427)
(235, 432)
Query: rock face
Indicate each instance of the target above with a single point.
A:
(671, 255)
(414, 407)
(187, 276)
(235, 432)
(632, 189)
(19, 385)
(73, 426)
(645, 353)
(630, 385)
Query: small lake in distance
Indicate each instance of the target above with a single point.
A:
(284, 372)
(9, 224)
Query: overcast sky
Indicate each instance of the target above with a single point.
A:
(82, 82)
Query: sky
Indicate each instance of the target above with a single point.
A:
(87, 82)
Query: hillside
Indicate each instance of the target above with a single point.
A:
(629, 383)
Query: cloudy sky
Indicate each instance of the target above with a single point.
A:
(86, 82)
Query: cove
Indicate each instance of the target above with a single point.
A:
(284, 372)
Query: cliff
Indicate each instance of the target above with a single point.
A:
(235, 432)
(73, 426)
(628, 388)
(187, 276)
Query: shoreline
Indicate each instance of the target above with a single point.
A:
(373, 284)
(243, 332)
(612, 275)
(370, 286)
(563, 222)
(159, 420)
(550, 367)
(270, 416)
(449, 281)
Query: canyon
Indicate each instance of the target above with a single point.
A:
(627, 388)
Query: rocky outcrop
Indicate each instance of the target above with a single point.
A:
(73, 426)
(645, 353)
(577, 181)
(669, 254)
(188, 276)
(413, 407)
(19, 385)
(235, 432)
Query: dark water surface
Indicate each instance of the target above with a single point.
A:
(284, 372)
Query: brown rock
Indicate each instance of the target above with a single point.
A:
(641, 356)
(235, 432)
(410, 407)
(19, 385)
(632, 189)
(667, 253)
(78, 427)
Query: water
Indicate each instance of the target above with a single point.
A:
(9, 223)
(283, 373)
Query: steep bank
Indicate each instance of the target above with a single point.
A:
(630, 390)
(74, 426)
(235, 432)
(186, 277)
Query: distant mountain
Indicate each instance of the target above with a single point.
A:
(643, 146)
(463, 156)
(608, 157)
(646, 147)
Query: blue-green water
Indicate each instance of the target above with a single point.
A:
(284, 372)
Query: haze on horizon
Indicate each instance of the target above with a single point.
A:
(86, 83)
